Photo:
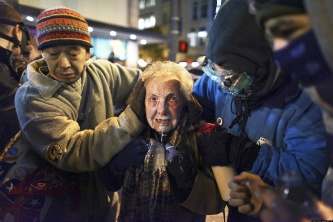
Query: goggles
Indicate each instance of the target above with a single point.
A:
(231, 81)
(23, 28)
(23, 44)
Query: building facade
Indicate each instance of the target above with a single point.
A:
(185, 22)
(112, 23)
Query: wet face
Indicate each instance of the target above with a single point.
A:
(66, 63)
(283, 29)
(164, 104)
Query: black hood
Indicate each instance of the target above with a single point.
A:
(235, 41)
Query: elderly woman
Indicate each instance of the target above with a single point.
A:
(160, 170)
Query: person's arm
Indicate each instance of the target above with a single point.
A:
(302, 149)
(53, 133)
(204, 196)
(133, 155)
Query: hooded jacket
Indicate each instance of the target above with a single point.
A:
(235, 42)
(283, 119)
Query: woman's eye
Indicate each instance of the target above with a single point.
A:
(153, 100)
(173, 100)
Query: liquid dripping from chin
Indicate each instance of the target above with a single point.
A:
(155, 167)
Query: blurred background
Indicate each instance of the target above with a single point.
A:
(137, 32)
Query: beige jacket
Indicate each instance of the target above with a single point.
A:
(48, 110)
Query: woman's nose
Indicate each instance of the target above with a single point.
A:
(161, 109)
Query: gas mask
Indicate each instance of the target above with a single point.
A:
(231, 81)
(23, 44)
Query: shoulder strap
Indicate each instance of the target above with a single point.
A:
(86, 95)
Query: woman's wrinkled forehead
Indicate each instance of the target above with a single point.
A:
(163, 86)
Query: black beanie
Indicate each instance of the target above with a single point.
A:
(266, 9)
(235, 41)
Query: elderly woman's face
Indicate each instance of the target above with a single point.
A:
(164, 104)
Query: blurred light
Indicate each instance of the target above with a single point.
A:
(218, 5)
(122, 57)
(182, 47)
(195, 64)
(141, 23)
(90, 29)
(133, 37)
(184, 64)
(29, 18)
(142, 63)
(143, 42)
(113, 33)
(202, 34)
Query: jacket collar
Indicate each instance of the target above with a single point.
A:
(46, 86)
(286, 92)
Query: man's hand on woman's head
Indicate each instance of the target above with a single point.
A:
(137, 100)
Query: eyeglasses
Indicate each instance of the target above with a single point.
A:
(230, 80)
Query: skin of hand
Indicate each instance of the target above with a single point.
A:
(325, 211)
(244, 191)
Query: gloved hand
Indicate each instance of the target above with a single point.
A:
(136, 100)
(194, 110)
(133, 155)
(181, 172)
(243, 153)
(214, 148)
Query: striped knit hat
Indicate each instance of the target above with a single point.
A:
(62, 26)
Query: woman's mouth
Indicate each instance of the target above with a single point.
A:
(163, 122)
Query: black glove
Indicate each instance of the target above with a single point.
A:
(181, 172)
(243, 153)
(136, 100)
(194, 110)
(133, 155)
(214, 148)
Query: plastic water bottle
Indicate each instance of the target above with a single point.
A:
(327, 188)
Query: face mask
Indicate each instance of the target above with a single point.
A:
(303, 60)
(231, 81)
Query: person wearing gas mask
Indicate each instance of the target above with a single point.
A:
(13, 44)
(300, 33)
(269, 126)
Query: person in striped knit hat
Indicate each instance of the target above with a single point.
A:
(49, 172)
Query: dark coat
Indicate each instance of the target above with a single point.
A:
(9, 83)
